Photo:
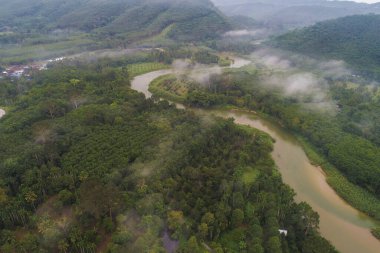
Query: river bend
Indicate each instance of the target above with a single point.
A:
(347, 228)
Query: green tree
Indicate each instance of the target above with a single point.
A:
(98, 199)
(237, 218)
(192, 245)
(274, 245)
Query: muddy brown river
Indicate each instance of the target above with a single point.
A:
(347, 228)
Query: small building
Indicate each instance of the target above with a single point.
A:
(283, 232)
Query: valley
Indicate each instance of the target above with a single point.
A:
(178, 126)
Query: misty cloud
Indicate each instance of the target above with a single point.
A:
(271, 60)
(300, 77)
(245, 32)
(307, 88)
(199, 73)
(334, 69)
(297, 84)
(286, 61)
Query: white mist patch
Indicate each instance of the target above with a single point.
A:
(334, 69)
(282, 60)
(203, 76)
(296, 84)
(199, 73)
(308, 89)
(301, 77)
(244, 32)
(253, 33)
(181, 65)
(271, 60)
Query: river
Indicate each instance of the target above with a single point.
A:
(347, 228)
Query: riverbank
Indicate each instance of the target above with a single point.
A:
(347, 228)
(353, 194)
(156, 89)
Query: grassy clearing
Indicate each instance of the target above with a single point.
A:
(353, 194)
(161, 38)
(142, 68)
(250, 176)
(16, 54)
(224, 62)
(168, 87)
(5, 108)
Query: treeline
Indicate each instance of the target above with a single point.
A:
(89, 165)
(359, 109)
(354, 39)
(196, 55)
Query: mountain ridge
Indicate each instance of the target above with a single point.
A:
(116, 16)
(354, 39)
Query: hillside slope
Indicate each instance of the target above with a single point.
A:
(134, 19)
(42, 29)
(354, 39)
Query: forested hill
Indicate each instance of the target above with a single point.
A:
(179, 19)
(355, 39)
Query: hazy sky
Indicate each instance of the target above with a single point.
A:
(367, 1)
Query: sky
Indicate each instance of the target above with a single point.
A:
(367, 1)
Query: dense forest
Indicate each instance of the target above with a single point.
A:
(354, 39)
(89, 165)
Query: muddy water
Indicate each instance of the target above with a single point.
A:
(344, 226)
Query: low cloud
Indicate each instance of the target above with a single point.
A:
(199, 73)
(282, 60)
(334, 69)
(260, 33)
(300, 77)
(271, 60)
(302, 83)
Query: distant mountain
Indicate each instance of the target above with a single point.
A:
(294, 13)
(133, 19)
(354, 39)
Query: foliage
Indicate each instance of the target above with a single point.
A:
(169, 87)
(42, 30)
(355, 195)
(354, 39)
(89, 164)
(376, 232)
(141, 68)
(356, 158)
